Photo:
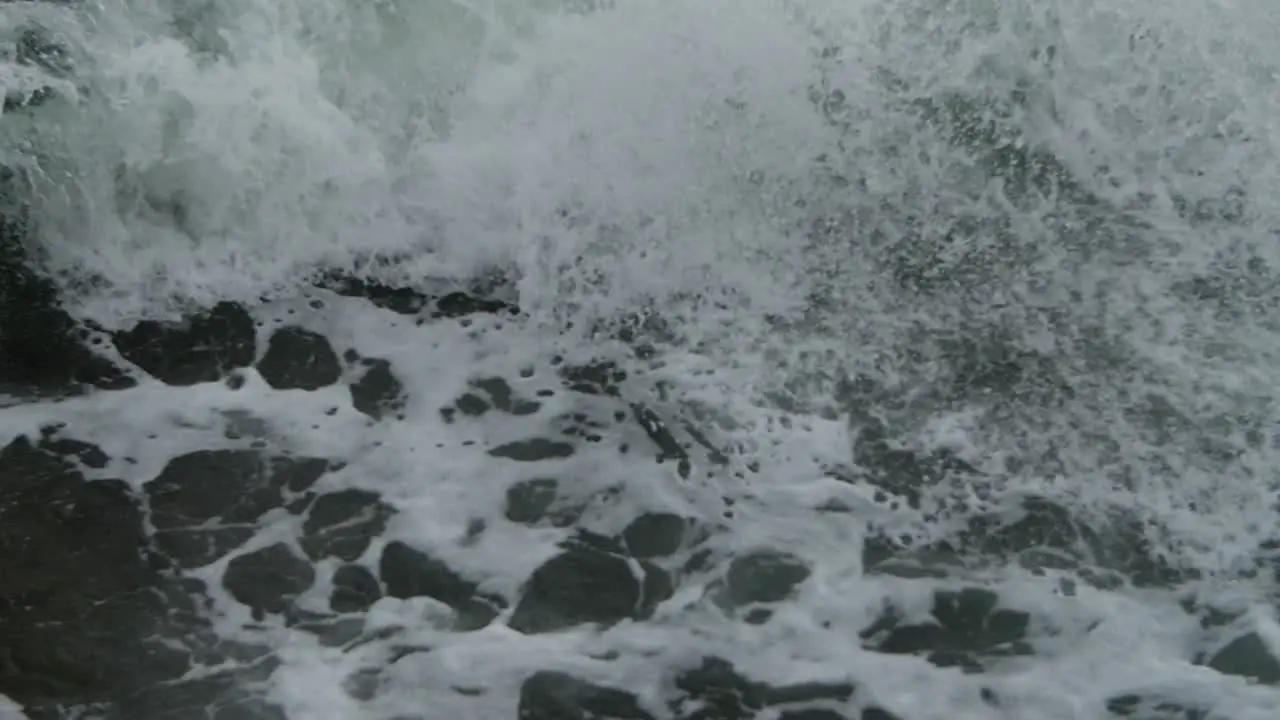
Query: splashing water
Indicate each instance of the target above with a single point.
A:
(997, 259)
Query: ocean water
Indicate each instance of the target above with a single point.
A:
(906, 265)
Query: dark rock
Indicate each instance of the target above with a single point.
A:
(217, 696)
(299, 359)
(559, 696)
(583, 539)
(460, 304)
(719, 692)
(407, 301)
(585, 585)
(599, 378)
(529, 500)
(1043, 524)
(268, 580)
(877, 713)
(87, 453)
(203, 349)
(14, 101)
(581, 425)
(533, 450)
(1248, 656)
(503, 397)
(763, 577)
(41, 345)
(87, 614)
(343, 523)
(330, 630)
(471, 404)
(955, 659)
(1144, 708)
(668, 447)
(902, 472)
(1045, 533)
(404, 301)
(378, 391)
(811, 714)
(969, 624)
(407, 573)
(232, 487)
(654, 535)
(1124, 546)
(355, 589)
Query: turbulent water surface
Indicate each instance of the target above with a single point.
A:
(851, 358)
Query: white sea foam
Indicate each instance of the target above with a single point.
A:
(667, 157)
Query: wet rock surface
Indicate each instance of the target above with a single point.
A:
(715, 690)
(407, 301)
(268, 580)
(762, 577)
(207, 503)
(654, 535)
(587, 584)
(560, 696)
(203, 348)
(1249, 656)
(533, 450)
(377, 392)
(355, 589)
(1141, 707)
(538, 501)
(966, 627)
(407, 572)
(1039, 534)
(342, 524)
(42, 348)
(297, 358)
(90, 615)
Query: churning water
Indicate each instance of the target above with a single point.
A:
(943, 281)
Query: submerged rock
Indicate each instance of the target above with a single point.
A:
(559, 696)
(299, 359)
(204, 348)
(588, 585)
